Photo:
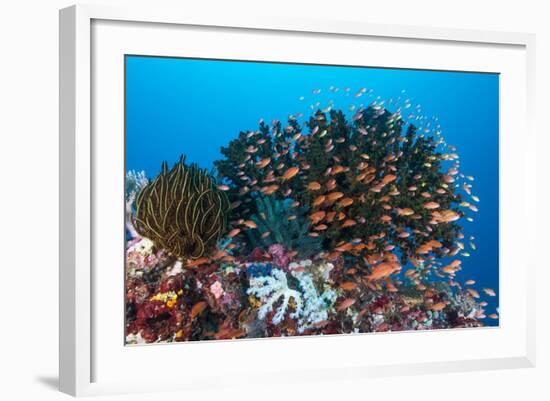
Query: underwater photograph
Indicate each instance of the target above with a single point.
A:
(270, 199)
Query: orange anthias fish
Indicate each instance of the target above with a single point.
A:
(331, 216)
(319, 200)
(431, 205)
(388, 178)
(344, 247)
(197, 309)
(250, 224)
(345, 202)
(234, 232)
(314, 186)
(348, 286)
(264, 162)
(439, 306)
(383, 270)
(473, 292)
(349, 223)
(331, 184)
(317, 216)
(445, 216)
(334, 196)
(490, 292)
(291, 172)
(270, 189)
(346, 303)
(338, 170)
(197, 262)
(405, 212)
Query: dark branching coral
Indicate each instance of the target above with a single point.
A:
(279, 223)
(182, 210)
(385, 170)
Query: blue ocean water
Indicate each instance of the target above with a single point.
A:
(194, 107)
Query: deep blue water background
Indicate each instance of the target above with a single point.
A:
(194, 107)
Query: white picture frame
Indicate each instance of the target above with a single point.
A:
(78, 164)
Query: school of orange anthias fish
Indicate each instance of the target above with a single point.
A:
(346, 222)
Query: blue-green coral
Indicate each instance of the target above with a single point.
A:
(280, 223)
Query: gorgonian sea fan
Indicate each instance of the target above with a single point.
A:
(182, 210)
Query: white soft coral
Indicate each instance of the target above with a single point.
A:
(309, 307)
(316, 307)
(269, 289)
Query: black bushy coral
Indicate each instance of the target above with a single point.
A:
(368, 179)
(182, 210)
(280, 223)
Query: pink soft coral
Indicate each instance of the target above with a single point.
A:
(279, 255)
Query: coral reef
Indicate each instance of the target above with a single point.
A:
(182, 211)
(334, 225)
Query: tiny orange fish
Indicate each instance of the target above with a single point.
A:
(264, 162)
(438, 306)
(250, 224)
(383, 270)
(223, 187)
(314, 186)
(388, 178)
(291, 172)
(317, 217)
(334, 196)
(431, 205)
(331, 184)
(405, 212)
(348, 286)
(319, 200)
(197, 309)
(349, 223)
(345, 202)
(270, 189)
(234, 232)
(346, 303)
(197, 262)
(490, 292)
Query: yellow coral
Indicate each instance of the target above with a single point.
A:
(169, 298)
(254, 302)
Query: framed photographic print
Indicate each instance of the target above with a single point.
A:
(307, 186)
